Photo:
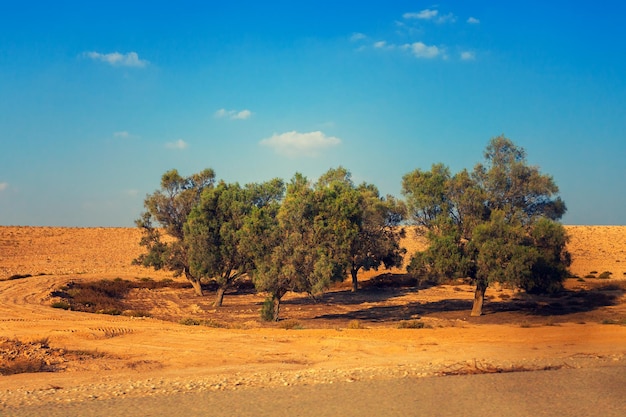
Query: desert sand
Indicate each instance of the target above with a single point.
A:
(341, 337)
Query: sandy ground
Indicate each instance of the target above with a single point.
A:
(342, 337)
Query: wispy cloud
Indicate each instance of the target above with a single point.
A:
(380, 44)
(295, 144)
(468, 56)
(131, 192)
(177, 144)
(425, 14)
(4, 186)
(124, 134)
(233, 114)
(421, 50)
(473, 21)
(430, 14)
(116, 59)
(357, 36)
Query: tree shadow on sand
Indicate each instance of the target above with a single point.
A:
(563, 306)
(378, 289)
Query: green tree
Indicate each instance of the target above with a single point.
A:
(378, 239)
(167, 210)
(307, 243)
(496, 224)
(214, 234)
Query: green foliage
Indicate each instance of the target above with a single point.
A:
(304, 244)
(60, 304)
(267, 309)
(214, 235)
(169, 208)
(378, 240)
(605, 275)
(495, 224)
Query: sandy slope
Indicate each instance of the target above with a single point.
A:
(123, 356)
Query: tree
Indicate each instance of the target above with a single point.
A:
(213, 232)
(496, 224)
(378, 239)
(169, 208)
(307, 243)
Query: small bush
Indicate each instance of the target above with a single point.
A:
(291, 325)
(580, 279)
(213, 323)
(136, 313)
(189, 322)
(590, 276)
(355, 324)
(621, 322)
(605, 275)
(110, 312)
(411, 324)
(60, 304)
(593, 272)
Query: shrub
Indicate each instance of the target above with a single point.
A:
(411, 324)
(291, 325)
(355, 324)
(136, 313)
(214, 323)
(60, 304)
(605, 275)
(190, 322)
(590, 276)
(267, 309)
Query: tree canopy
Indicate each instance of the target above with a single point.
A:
(307, 240)
(169, 208)
(214, 235)
(495, 224)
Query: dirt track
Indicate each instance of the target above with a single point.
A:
(121, 357)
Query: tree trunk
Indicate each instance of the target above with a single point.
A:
(219, 298)
(355, 282)
(275, 307)
(195, 283)
(197, 287)
(479, 298)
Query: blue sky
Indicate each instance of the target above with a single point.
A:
(98, 99)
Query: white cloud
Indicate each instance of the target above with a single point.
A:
(431, 14)
(380, 44)
(242, 115)
(130, 59)
(446, 18)
(300, 144)
(178, 144)
(123, 134)
(425, 14)
(233, 114)
(357, 36)
(468, 56)
(473, 21)
(131, 192)
(421, 50)
(4, 186)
